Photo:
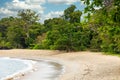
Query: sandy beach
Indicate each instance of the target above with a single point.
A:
(78, 65)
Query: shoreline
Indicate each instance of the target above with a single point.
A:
(19, 73)
(46, 70)
(33, 68)
(78, 65)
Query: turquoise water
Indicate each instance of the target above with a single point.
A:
(10, 67)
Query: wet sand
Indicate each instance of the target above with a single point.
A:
(78, 65)
(44, 70)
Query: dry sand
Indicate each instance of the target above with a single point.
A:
(78, 65)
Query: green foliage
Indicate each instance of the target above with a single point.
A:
(68, 11)
(5, 45)
(14, 36)
(71, 15)
(28, 16)
(30, 27)
(100, 32)
(111, 39)
(104, 24)
(21, 31)
(75, 16)
(66, 36)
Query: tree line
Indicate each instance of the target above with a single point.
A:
(99, 31)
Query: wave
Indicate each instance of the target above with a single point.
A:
(12, 68)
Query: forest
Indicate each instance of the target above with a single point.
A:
(98, 31)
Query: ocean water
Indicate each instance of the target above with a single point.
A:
(10, 67)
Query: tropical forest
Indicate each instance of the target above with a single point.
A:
(97, 28)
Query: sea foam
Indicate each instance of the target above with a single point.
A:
(11, 68)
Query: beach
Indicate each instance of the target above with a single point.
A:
(77, 65)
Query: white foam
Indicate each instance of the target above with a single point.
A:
(29, 67)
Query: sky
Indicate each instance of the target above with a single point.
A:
(46, 8)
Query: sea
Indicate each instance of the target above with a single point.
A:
(11, 67)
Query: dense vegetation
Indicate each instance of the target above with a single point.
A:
(99, 31)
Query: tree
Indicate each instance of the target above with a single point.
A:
(75, 16)
(68, 11)
(104, 24)
(21, 31)
(5, 23)
(71, 15)
(109, 7)
(15, 36)
(27, 19)
(64, 35)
